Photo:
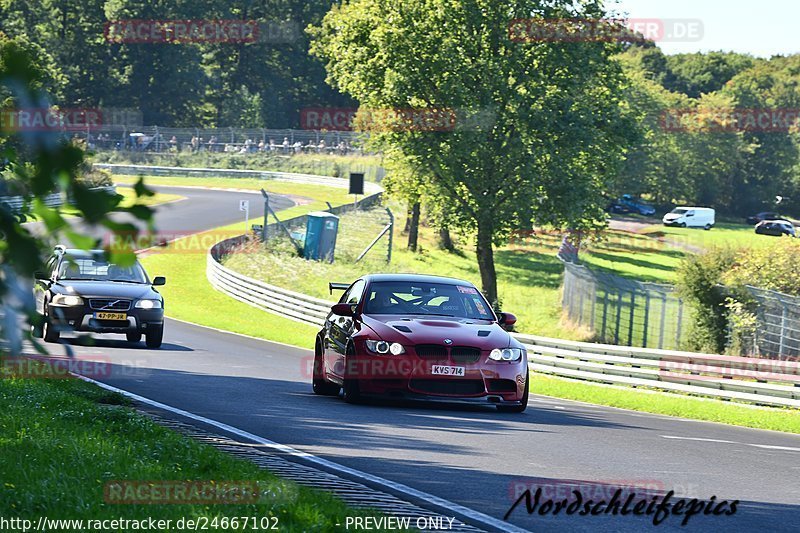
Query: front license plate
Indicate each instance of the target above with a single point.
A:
(441, 370)
(111, 316)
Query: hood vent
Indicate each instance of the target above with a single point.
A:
(483, 333)
(404, 329)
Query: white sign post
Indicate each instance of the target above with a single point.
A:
(244, 205)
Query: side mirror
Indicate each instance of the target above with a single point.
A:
(344, 309)
(507, 320)
(159, 280)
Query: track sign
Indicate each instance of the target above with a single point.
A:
(356, 183)
(244, 205)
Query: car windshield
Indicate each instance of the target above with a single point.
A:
(416, 298)
(679, 211)
(97, 268)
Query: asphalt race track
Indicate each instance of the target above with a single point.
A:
(201, 210)
(473, 456)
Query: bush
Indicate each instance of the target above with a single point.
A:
(699, 283)
(773, 267)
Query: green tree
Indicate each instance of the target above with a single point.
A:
(555, 131)
(702, 73)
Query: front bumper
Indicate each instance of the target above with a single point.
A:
(410, 377)
(81, 318)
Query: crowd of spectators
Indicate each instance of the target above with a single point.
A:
(160, 143)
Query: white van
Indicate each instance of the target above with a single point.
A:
(690, 217)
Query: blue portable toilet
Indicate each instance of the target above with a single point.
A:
(321, 230)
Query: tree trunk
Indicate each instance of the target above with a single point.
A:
(485, 254)
(413, 228)
(445, 241)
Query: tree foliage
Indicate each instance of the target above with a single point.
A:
(552, 127)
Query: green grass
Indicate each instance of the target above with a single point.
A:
(62, 441)
(670, 404)
(319, 193)
(723, 234)
(129, 198)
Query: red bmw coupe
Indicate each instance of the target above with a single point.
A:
(414, 336)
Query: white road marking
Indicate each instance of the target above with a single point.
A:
(764, 446)
(701, 439)
(771, 447)
(479, 518)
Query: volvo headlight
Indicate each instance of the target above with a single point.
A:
(68, 299)
(383, 347)
(506, 354)
(148, 304)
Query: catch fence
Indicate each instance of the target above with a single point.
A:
(777, 328)
(622, 311)
(159, 139)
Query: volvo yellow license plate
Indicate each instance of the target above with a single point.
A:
(110, 316)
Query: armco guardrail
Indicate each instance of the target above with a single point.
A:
(757, 380)
(284, 302)
(15, 203)
(761, 381)
(329, 181)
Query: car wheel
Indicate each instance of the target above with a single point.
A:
(708, 227)
(682, 225)
(523, 403)
(134, 336)
(154, 336)
(49, 331)
(350, 386)
(322, 386)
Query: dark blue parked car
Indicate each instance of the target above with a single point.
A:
(628, 204)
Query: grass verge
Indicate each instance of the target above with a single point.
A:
(669, 404)
(62, 441)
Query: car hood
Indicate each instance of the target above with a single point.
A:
(672, 216)
(101, 289)
(483, 334)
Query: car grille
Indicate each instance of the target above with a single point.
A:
(465, 354)
(109, 304)
(463, 387)
(431, 351)
(459, 354)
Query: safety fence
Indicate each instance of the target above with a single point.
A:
(763, 381)
(624, 311)
(777, 328)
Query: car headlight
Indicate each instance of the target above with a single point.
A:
(67, 299)
(506, 354)
(383, 347)
(148, 304)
